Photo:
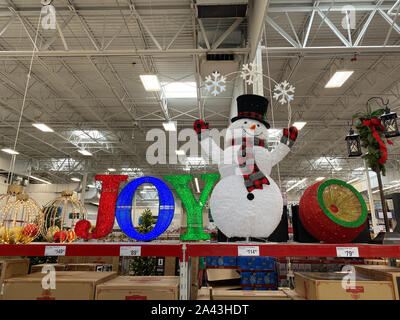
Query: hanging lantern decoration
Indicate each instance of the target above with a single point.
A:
(21, 220)
(60, 217)
(353, 144)
(389, 121)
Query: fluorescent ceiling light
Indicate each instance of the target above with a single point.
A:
(91, 186)
(111, 169)
(150, 82)
(296, 184)
(299, 125)
(180, 90)
(180, 152)
(10, 151)
(338, 169)
(197, 184)
(42, 127)
(359, 169)
(320, 179)
(170, 126)
(38, 179)
(338, 79)
(85, 152)
(76, 179)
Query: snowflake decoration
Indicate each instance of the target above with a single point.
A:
(215, 83)
(284, 91)
(249, 72)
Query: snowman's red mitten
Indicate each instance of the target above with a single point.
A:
(202, 128)
(290, 135)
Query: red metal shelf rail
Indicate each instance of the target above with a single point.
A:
(291, 250)
(153, 249)
(92, 249)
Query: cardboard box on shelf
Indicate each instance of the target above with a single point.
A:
(89, 267)
(67, 260)
(382, 272)
(227, 294)
(139, 288)
(225, 279)
(10, 268)
(69, 286)
(376, 261)
(170, 266)
(114, 261)
(56, 266)
(204, 293)
(195, 277)
(329, 286)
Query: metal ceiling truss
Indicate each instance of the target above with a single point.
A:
(348, 45)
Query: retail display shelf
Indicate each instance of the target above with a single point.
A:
(187, 249)
(94, 249)
(291, 250)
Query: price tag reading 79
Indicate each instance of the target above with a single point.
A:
(130, 251)
(347, 252)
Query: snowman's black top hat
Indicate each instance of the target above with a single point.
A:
(252, 106)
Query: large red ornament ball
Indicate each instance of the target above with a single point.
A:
(82, 228)
(333, 211)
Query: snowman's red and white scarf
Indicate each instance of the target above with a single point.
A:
(253, 177)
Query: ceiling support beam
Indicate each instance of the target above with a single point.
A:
(333, 28)
(257, 10)
(389, 20)
(177, 34)
(282, 32)
(366, 24)
(203, 33)
(228, 31)
(58, 32)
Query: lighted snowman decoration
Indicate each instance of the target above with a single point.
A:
(246, 202)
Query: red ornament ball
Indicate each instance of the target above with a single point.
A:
(60, 236)
(82, 229)
(30, 230)
(333, 211)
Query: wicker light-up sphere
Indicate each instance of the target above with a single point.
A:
(21, 220)
(60, 217)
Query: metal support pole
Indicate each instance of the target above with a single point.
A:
(371, 201)
(84, 183)
(184, 276)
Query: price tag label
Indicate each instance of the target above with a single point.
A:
(248, 251)
(55, 250)
(347, 252)
(130, 251)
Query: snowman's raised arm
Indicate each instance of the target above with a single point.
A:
(207, 142)
(284, 147)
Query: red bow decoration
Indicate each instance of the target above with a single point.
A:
(373, 124)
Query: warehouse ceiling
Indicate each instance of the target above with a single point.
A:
(85, 78)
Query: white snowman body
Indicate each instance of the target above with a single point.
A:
(233, 213)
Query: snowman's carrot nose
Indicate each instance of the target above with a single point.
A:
(253, 127)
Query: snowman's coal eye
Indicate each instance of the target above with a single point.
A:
(245, 122)
(258, 125)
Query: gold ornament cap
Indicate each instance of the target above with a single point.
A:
(67, 193)
(15, 189)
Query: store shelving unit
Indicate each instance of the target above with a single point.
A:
(185, 250)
